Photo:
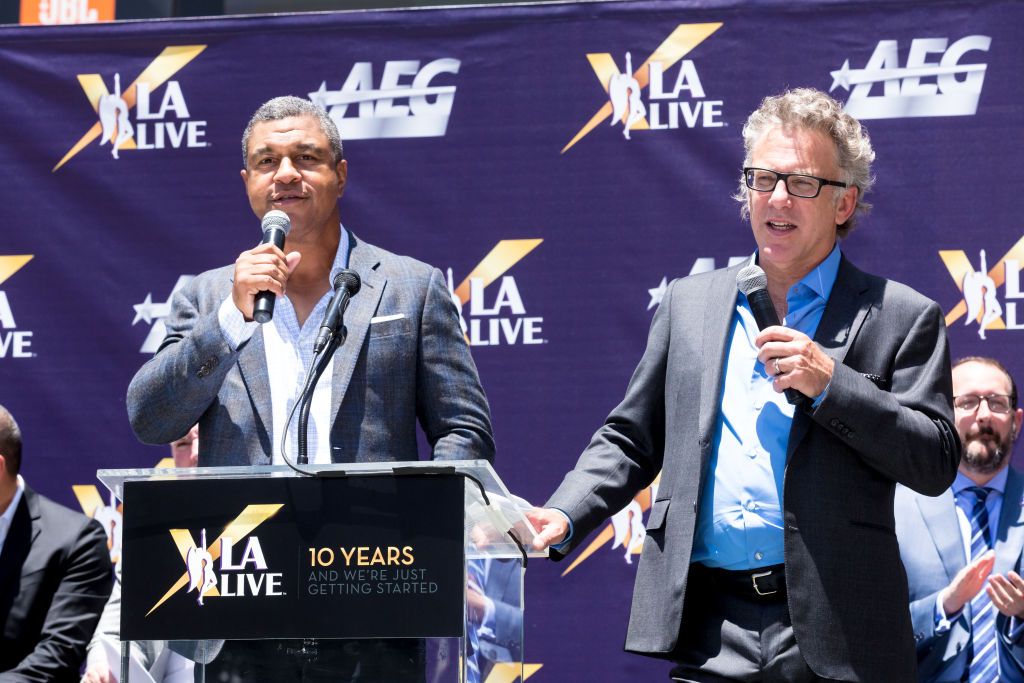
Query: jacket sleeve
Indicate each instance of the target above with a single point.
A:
(174, 388)
(905, 433)
(450, 401)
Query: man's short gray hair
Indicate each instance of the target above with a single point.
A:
(812, 109)
(287, 106)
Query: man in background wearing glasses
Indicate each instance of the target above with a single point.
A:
(962, 550)
(738, 582)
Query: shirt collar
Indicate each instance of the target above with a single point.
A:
(998, 482)
(822, 277)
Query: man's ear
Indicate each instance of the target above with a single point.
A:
(847, 204)
(341, 169)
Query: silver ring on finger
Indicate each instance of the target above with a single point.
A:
(778, 373)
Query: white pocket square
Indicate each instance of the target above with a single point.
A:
(386, 318)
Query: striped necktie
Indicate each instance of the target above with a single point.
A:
(983, 663)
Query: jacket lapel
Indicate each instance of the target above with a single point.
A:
(845, 311)
(34, 512)
(940, 517)
(719, 310)
(252, 363)
(847, 307)
(365, 260)
(1010, 531)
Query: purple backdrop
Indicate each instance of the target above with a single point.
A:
(466, 127)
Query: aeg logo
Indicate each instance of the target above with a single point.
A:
(954, 91)
(408, 103)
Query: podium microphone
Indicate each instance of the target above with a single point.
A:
(752, 281)
(346, 286)
(275, 225)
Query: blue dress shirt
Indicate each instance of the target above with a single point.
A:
(739, 525)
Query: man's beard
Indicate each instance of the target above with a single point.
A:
(988, 456)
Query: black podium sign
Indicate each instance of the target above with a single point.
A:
(375, 556)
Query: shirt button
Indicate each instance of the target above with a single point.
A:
(758, 405)
(758, 555)
(751, 506)
(752, 453)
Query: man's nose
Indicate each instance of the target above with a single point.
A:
(780, 195)
(286, 172)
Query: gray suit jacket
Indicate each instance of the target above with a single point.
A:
(887, 417)
(933, 552)
(386, 375)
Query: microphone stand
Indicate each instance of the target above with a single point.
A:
(332, 335)
(320, 362)
(317, 368)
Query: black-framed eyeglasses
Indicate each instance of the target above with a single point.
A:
(797, 184)
(997, 403)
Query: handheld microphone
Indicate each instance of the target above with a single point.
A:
(752, 281)
(346, 285)
(275, 225)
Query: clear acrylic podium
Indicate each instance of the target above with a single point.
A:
(433, 553)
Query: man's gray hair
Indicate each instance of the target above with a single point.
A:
(287, 106)
(810, 109)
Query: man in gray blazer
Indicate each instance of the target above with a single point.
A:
(964, 629)
(771, 553)
(405, 358)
